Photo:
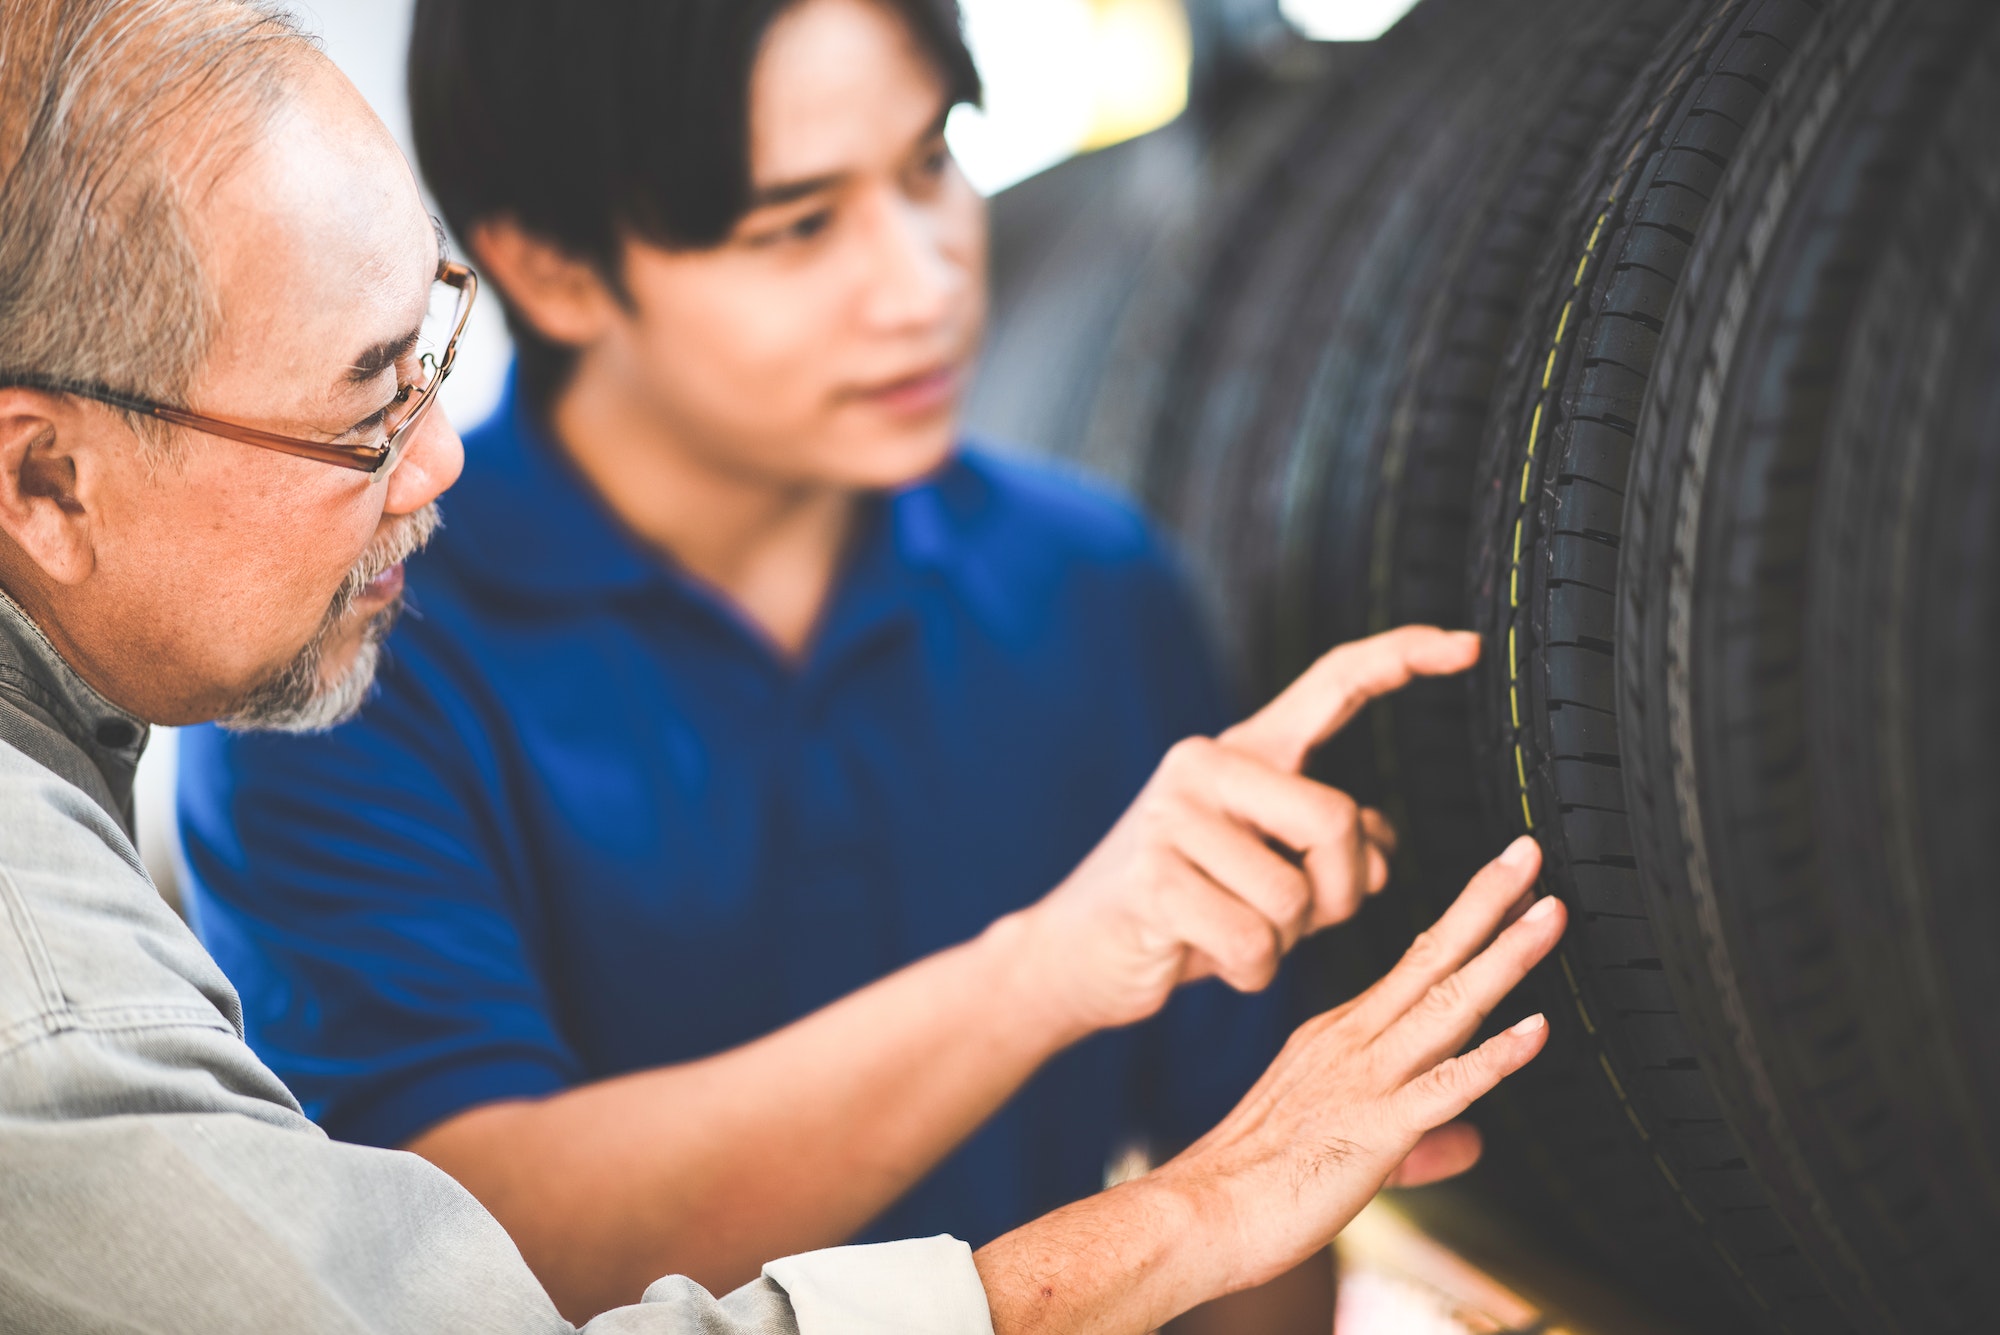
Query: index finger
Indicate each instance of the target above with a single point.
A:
(1334, 689)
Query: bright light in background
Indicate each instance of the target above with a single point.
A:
(1063, 76)
(1345, 20)
(1141, 52)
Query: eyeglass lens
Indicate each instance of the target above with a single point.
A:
(426, 367)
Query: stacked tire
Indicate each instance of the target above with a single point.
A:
(1659, 342)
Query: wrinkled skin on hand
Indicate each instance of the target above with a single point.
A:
(1362, 1097)
(1365, 1095)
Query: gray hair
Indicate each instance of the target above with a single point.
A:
(114, 114)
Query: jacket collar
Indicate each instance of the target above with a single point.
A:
(53, 715)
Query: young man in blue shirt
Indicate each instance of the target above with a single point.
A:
(736, 685)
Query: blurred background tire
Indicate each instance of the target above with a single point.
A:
(1784, 531)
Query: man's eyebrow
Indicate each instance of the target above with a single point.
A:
(382, 356)
(786, 192)
(375, 360)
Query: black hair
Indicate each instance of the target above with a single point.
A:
(591, 121)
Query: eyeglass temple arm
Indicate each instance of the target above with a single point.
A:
(361, 458)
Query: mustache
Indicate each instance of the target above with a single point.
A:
(295, 698)
(394, 545)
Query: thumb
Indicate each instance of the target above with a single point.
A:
(1444, 1152)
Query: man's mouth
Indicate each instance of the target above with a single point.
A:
(379, 592)
(369, 597)
(920, 394)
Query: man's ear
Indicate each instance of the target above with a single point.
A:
(564, 298)
(44, 485)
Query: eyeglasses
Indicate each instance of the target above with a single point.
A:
(380, 457)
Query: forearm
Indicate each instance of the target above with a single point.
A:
(789, 1143)
(1120, 1263)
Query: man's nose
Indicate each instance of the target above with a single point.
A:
(434, 461)
(914, 279)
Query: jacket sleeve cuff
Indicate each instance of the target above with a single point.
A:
(924, 1286)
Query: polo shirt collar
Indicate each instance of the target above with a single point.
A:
(939, 525)
(523, 520)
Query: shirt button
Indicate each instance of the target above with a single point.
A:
(116, 733)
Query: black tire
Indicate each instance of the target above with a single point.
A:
(1650, 996)
(1932, 676)
(1374, 531)
(1317, 447)
(1765, 643)
(1618, 1114)
(1351, 294)
(1587, 324)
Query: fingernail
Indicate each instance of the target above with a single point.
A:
(1530, 1025)
(1520, 853)
(1544, 909)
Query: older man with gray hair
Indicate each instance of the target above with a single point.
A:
(223, 320)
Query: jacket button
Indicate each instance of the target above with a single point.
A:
(116, 733)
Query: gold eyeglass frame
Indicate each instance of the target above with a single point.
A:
(379, 459)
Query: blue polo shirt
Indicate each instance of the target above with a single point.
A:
(594, 823)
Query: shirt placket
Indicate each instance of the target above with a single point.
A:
(841, 921)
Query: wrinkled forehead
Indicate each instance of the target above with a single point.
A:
(318, 244)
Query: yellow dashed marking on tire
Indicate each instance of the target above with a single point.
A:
(1521, 769)
(1534, 438)
(1527, 484)
(1576, 993)
(1612, 1076)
